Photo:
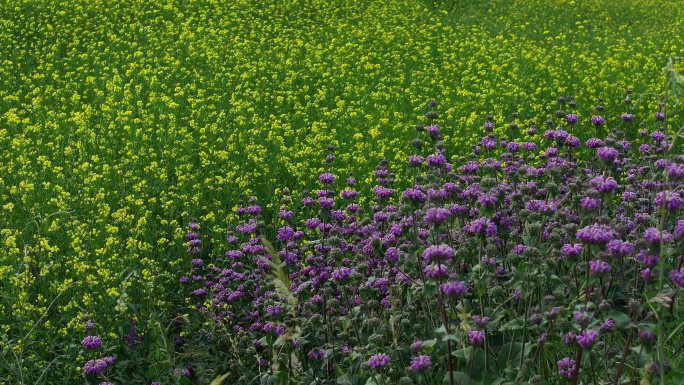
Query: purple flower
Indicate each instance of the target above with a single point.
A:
(326, 178)
(315, 354)
(659, 116)
(436, 215)
(648, 260)
(273, 310)
(414, 194)
(587, 338)
(551, 152)
(571, 118)
(436, 160)
(513, 146)
(572, 141)
(378, 361)
(438, 253)
(454, 289)
(595, 234)
(488, 143)
(349, 194)
(675, 171)
(670, 199)
(679, 229)
(658, 136)
(560, 135)
(341, 273)
(529, 146)
(487, 200)
(254, 210)
(155, 383)
(653, 235)
(436, 271)
(569, 338)
(480, 322)
(627, 117)
(91, 342)
(677, 276)
(594, 143)
(307, 201)
(536, 205)
(590, 204)
(619, 248)
(420, 363)
(566, 367)
(481, 225)
(476, 337)
(96, 366)
(646, 336)
(607, 326)
(604, 185)
(326, 203)
(472, 167)
(597, 120)
(197, 262)
(647, 275)
(432, 130)
(518, 249)
(599, 267)
(488, 126)
(607, 154)
(415, 160)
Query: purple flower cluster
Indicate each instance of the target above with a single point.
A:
(98, 366)
(587, 338)
(91, 342)
(420, 363)
(438, 253)
(566, 367)
(378, 361)
(595, 234)
(466, 234)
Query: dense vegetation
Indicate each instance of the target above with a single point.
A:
(124, 122)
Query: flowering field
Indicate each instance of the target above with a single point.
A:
(147, 146)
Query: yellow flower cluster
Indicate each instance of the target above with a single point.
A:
(120, 120)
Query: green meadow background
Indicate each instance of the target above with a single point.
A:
(121, 120)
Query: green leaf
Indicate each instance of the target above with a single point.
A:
(621, 320)
(429, 289)
(378, 379)
(482, 286)
(492, 378)
(219, 380)
(479, 363)
(345, 379)
(460, 378)
(509, 355)
(429, 345)
(511, 325)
